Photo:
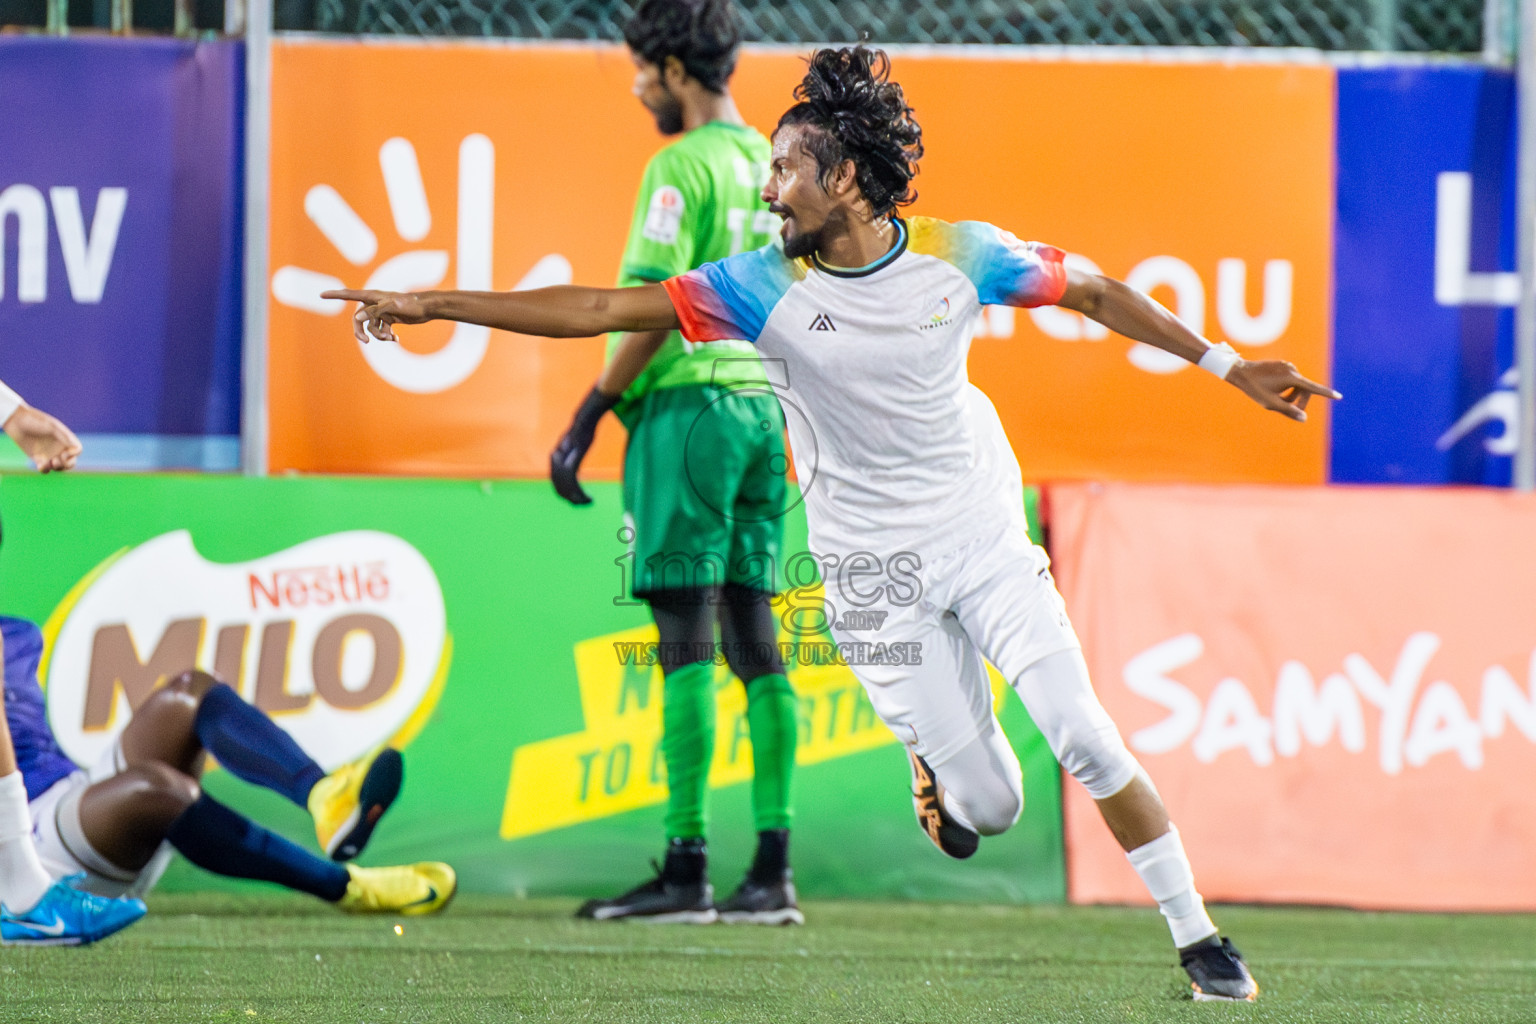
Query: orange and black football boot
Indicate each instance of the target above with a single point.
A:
(947, 834)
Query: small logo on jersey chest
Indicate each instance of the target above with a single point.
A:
(822, 323)
(938, 316)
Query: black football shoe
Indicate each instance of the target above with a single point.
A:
(947, 834)
(1217, 972)
(757, 902)
(679, 894)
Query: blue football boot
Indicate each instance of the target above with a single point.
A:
(65, 916)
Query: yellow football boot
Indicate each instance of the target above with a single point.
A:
(412, 889)
(349, 802)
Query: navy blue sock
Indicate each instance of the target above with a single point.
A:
(217, 839)
(254, 749)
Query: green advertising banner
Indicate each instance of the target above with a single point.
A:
(484, 628)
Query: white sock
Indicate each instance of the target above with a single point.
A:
(1164, 870)
(22, 878)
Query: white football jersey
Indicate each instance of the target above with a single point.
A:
(894, 448)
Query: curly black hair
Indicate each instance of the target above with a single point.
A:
(859, 114)
(704, 35)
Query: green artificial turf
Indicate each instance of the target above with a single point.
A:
(248, 958)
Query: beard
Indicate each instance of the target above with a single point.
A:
(802, 244)
(669, 116)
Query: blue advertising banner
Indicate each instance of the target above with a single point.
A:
(1424, 278)
(120, 233)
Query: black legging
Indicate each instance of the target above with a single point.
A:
(686, 621)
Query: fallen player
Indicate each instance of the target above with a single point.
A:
(116, 821)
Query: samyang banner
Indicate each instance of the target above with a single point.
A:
(1333, 688)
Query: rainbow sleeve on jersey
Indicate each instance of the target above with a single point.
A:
(1005, 271)
(731, 298)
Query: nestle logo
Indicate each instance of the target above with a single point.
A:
(319, 585)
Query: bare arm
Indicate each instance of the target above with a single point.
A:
(1272, 383)
(567, 311)
(635, 350)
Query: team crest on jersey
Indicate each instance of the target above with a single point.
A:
(822, 323)
(664, 218)
(938, 316)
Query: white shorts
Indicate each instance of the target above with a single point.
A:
(61, 843)
(993, 599)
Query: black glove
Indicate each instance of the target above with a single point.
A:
(565, 460)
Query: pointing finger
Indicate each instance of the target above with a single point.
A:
(1315, 388)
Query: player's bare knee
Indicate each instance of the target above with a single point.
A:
(158, 791)
(176, 698)
(193, 683)
(163, 729)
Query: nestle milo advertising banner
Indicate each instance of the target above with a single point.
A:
(486, 630)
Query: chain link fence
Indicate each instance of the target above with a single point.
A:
(1445, 26)
(1450, 26)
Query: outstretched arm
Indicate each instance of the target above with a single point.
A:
(631, 356)
(1272, 383)
(47, 441)
(567, 311)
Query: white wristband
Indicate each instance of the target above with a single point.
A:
(1219, 359)
(10, 401)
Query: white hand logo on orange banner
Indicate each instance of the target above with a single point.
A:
(418, 269)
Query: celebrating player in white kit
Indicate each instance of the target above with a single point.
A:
(873, 316)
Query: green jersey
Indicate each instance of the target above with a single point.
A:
(699, 202)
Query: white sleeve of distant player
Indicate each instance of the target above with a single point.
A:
(10, 401)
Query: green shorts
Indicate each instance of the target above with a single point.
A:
(704, 488)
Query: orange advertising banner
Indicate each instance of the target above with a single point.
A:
(1333, 689)
(412, 165)
(418, 164)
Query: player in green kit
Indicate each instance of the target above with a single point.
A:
(704, 471)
